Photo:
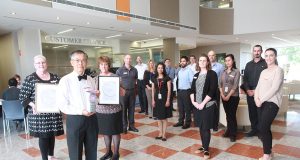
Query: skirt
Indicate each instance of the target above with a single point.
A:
(45, 125)
(110, 123)
(204, 119)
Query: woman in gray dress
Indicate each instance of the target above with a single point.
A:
(203, 97)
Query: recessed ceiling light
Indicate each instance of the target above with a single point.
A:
(65, 31)
(131, 30)
(13, 13)
(98, 47)
(57, 18)
(88, 23)
(60, 46)
(147, 33)
(273, 34)
(113, 36)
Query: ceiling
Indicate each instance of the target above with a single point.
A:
(16, 15)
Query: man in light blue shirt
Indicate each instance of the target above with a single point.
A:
(184, 80)
(218, 68)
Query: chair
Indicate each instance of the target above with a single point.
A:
(13, 110)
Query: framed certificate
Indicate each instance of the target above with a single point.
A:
(45, 98)
(109, 88)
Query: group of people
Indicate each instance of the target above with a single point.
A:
(200, 87)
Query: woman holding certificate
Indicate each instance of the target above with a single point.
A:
(45, 126)
(161, 93)
(109, 115)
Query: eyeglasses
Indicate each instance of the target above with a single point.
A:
(40, 63)
(79, 60)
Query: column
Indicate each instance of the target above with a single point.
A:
(171, 50)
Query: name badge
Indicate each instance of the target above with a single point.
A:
(231, 75)
(159, 96)
(195, 77)
(226, 89)
(125, 73)
(150, 82)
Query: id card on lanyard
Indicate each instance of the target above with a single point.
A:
(159, 88)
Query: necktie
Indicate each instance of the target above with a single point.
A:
(82, 77)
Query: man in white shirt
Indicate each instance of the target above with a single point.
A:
(73, 100)
(193, 64)
(141, 68)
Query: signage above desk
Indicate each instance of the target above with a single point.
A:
(73, 40)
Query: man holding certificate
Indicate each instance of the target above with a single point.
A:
(75, 97)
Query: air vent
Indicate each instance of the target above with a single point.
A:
(120, 13)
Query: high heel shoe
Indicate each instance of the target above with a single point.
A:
(115, 157)
(206, 155)
(107, 155)
(270, 157)
(200, 150)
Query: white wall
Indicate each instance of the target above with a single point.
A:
(189, 14)
(265, 15)
(237, 49)
(140, 7)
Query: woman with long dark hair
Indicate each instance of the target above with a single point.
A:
(268, 98)
(229, 89)
(161, 93)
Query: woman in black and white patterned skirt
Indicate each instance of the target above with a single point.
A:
(45, 126)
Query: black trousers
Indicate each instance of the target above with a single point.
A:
(230, 108)
(82, 131)
(128, 104)
(47, 147)
(252, 108)
(142, 95)
(171, 97)
(217, 111)
(205, 136)
(267, 113)
(184, 107)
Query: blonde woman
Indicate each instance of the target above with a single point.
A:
(148, 75)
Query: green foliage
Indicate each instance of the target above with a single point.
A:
(293, 54)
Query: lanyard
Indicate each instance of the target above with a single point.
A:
(159, 84)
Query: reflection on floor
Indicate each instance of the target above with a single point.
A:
(180, 144)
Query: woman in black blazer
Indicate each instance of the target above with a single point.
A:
(203, 97)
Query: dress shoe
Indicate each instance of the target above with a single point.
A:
(186, 126)
(158, 137)
(200, 150)
(232, 139)
(115, 157)
(177, 125)
(155, 118)
(107, 155)
(251, 133)
(141, 111)
(206, 155)
(215, 129)
(164, 139)
(225, 135)
(133, 129)
(173, 109)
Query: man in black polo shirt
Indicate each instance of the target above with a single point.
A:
(251, 77)
(129, 77)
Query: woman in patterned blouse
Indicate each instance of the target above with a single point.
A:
(45, 126)
(109, 116)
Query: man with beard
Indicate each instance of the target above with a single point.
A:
(251, 77)
(184, 82)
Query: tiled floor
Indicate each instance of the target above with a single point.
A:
(180, 144)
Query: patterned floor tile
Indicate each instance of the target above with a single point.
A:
(32, 151)
(156, 133)
(25, 136)
(123, 152)
(286, 150)
(246, 150)
(158, 151)
(129, 136)
(191, 150)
